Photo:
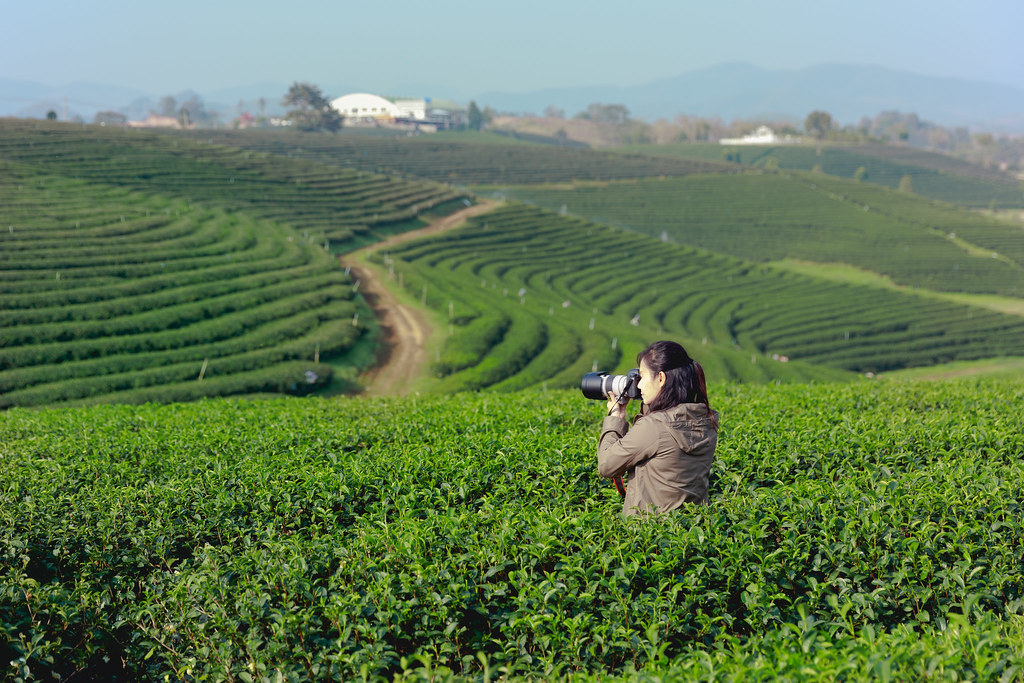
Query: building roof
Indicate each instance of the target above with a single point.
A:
(362, 104)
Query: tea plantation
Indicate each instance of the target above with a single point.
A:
(770, 216)
(533, 297)
(321, 201)
(934, 175)
(462, 161)
(867, 530)
(135, 268)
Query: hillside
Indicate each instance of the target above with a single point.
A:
(141, 266)
(136, 268)
(860, 531)
(933, 175)
(459, 160)
(766, 216)
(535, 297)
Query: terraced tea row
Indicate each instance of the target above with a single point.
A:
(574, 284)
(933, 175)
(768, 216)
(325, 203)
(869, 530)
(460, 163)
(108, 295)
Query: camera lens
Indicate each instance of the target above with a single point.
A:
(593, 385)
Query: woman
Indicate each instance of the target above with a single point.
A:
(667, 455)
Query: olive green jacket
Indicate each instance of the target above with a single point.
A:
(666, 456)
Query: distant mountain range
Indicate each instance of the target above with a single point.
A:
(847, 92)
(728, 91)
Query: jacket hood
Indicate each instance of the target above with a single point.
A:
(692, 427)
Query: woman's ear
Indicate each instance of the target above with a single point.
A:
(661, 379)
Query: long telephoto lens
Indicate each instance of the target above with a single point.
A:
(596, 385)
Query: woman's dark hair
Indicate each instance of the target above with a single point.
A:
(684, 377)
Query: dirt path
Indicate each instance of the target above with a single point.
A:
(403, 354)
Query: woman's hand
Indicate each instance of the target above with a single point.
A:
(616, 409)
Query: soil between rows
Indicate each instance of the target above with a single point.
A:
(403, 354)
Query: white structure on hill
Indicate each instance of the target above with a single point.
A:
(762, 136)
(364, 106)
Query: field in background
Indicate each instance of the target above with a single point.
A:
(471, 160)
(768, 216)
(134, 267)
(529, 292)
(529, 298)
(933, 175)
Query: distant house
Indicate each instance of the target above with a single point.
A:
(245, 120)
(762, 136)
(364, 106)
(155, 121)
(368, 109)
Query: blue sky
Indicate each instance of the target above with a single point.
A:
(471, 47)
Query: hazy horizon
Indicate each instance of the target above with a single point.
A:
(470, 48)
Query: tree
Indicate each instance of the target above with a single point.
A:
(475, 118)
(51, 115)
(110, 118)
(553, 112)
(906, 184)
(167, 106)
(818, 123)
(192, 112)
(605, 113)
(310, 109)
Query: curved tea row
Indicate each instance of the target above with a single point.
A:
(770, 216)
(521, 282)
(107, 295)
(326, 203)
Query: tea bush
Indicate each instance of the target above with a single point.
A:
(859, 530)
(580, 285)
(770, 216)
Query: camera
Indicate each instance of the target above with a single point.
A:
(596, 385)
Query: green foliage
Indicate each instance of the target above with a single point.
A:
(475, 119)
(732, 154)
(937, 176)
(770, 216)
(906, 184)
(322, 202)
(818, 123)
(458, 160)
(615, 114)
(571, 285)
(311, 110)
(868, 530)
(116, 284)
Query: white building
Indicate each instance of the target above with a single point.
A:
(762, 136)
(366, 106)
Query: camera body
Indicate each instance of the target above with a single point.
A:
(597, 385)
